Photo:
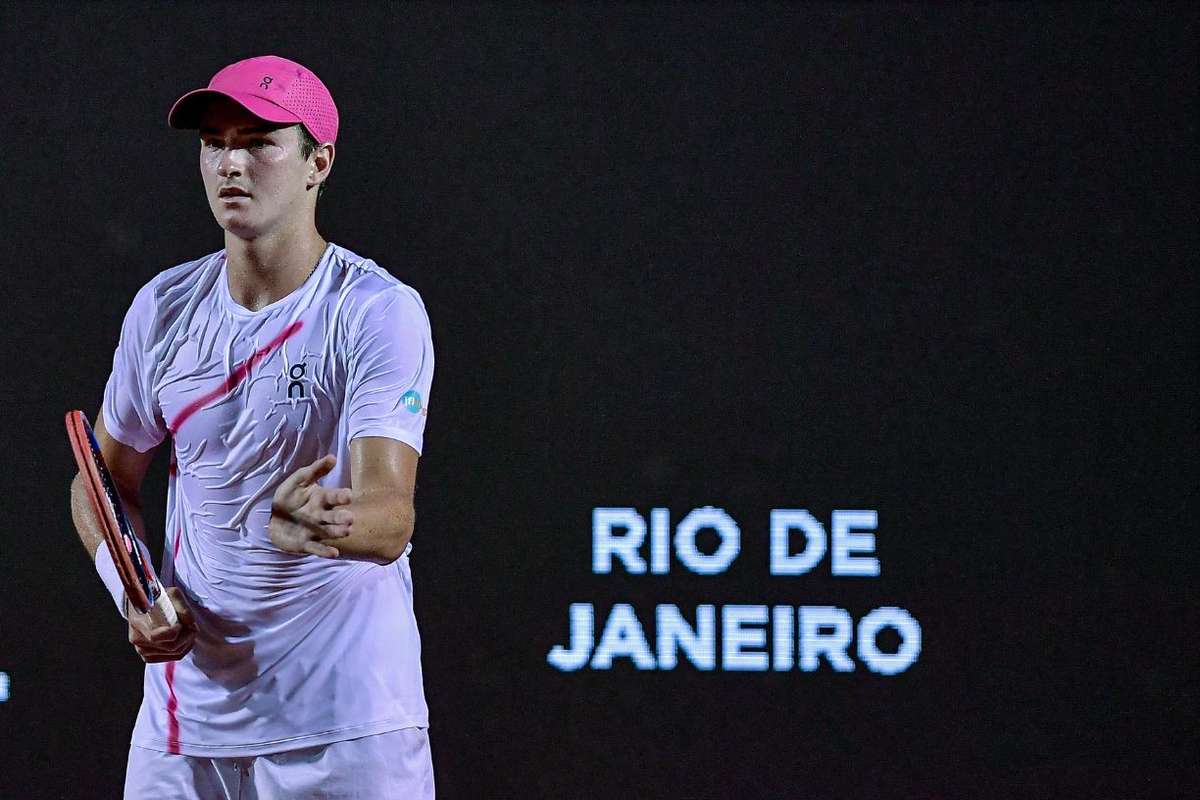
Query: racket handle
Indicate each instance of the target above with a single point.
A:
(161, 614)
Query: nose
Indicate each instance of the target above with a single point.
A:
(231, 163)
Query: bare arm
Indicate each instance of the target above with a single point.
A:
(372, 520)
(128, 468)
(383, 481)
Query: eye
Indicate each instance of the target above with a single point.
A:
(259, 143)
(211, 143)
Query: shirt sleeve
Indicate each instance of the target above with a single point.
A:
(131, 412)
(390, 369)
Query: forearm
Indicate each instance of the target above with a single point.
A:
(383, 525)
(87, 523)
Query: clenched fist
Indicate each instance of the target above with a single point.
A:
(159, 642)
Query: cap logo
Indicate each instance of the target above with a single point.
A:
(266, 82)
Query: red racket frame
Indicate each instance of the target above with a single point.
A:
(137, 574)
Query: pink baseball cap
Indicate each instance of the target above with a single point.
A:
(269, 87)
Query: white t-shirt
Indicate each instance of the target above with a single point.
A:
(291, 651)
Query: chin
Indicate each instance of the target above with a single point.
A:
(241, 231)
(228, 220)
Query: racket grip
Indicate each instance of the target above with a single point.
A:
(161, 614)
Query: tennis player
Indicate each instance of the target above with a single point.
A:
(291, 378)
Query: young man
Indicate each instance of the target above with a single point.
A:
(292, 377)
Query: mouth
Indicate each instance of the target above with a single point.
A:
(232, 194)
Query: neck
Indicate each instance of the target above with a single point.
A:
(272, 266)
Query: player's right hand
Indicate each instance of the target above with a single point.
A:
(163, 643)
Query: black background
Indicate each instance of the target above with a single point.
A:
(936, 261)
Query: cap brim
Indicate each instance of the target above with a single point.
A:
(189, 109)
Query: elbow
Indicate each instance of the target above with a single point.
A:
(79, 490)
(398, 541)
(392, 551)
(74, 493)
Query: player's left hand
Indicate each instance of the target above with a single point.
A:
(303, 513)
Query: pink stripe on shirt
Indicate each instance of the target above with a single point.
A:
(237, 377)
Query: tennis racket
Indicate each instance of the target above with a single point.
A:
(142, 587)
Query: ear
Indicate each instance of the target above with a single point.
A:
(321, 162)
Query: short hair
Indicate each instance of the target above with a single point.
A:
(307, 145)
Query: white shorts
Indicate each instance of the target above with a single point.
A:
(395, 764)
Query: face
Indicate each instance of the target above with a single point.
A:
(240, 151)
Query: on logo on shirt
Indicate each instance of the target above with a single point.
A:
(299, 382)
